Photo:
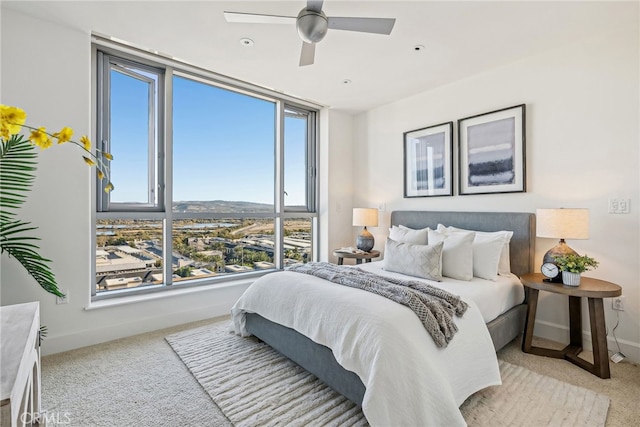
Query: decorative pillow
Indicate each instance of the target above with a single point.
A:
(487, 249)
(504, 266)
(408, 235)
(414, 260)
(457, 253)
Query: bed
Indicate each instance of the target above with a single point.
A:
(335, 366)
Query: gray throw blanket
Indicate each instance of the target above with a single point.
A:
(433, 306)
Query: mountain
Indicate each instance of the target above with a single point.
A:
(222, 206)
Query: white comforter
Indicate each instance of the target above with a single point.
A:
(409, 380)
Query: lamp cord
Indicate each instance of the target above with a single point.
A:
(613, 332)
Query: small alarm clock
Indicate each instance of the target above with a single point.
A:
(551, 272)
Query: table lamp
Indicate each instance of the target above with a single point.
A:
(561, 224)
(365, 217)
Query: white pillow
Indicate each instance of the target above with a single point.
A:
(457, 253)
(504, 266)
(414, 260)
(408, 235)
(487, 250)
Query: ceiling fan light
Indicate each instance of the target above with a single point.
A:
(312, 26)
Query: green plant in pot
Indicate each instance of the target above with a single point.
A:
(573, 265)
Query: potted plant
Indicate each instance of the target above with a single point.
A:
(572, 265)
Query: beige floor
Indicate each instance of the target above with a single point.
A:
(623, 388)
(140, 381)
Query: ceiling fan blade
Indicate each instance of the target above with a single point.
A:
(364, 25)
(307, 54)
(255, 18)
(315, 5)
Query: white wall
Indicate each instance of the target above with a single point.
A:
(336, 186)
(46, 70)
(581, 147)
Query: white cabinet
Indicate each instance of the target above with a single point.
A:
(20, 364)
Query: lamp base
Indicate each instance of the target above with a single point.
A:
(365, 240)
(560, 249)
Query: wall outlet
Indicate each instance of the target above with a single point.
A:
(617, 303)
(619, 206)
(63, 300)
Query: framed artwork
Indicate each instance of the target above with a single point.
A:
(491, 152)
(428, 161)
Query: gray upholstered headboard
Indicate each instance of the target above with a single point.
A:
(523, 225)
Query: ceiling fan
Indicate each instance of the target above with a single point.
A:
(312, 25)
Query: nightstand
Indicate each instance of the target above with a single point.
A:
(20, 397)
(367, 256)
(593, 289)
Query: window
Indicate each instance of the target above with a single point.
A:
(129, 130)
(299, 182)
(212, 180)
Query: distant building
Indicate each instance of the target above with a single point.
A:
(182, 261)
(201, 272)
(263, 265)
(128, 250)
(235, 268)
(101, 253)
(297, 243)
(122, 282)
(159, 277)
(121, 259)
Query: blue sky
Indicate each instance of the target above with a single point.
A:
(223, 144)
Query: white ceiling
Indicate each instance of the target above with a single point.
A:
(460, 39)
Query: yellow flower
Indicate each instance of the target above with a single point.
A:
(64, 135)
(87, 142)
(88, 161)
(40, 138)
(11, 120)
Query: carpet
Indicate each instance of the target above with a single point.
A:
(254, 385)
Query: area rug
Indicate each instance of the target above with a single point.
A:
(254, 385)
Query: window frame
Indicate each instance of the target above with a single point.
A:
(156, 145)
(310, 155)
(106, 52)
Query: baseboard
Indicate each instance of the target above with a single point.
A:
(60, 343)
(560, 333)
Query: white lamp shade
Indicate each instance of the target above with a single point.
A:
(562, 223)
(367, 217)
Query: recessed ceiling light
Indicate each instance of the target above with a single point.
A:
(418, 47)
(246, 42)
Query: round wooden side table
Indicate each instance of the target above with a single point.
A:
(366, 256)
(592, 289)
